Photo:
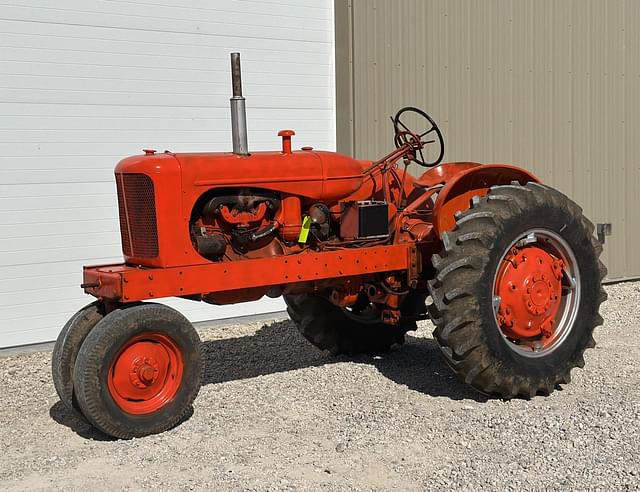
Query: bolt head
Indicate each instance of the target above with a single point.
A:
(146, 374)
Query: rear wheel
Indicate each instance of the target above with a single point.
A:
(517, 291)
(344, 331)
(138, 371)
(66, 350)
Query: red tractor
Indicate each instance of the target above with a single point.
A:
(505, 267)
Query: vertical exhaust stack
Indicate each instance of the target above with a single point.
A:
(238, 112)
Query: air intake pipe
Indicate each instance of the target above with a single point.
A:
(238, 111)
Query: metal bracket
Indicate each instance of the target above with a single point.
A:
(603, 229)
(415, 264)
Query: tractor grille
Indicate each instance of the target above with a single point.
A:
(137, 205)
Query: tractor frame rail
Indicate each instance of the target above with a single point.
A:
(130, 283)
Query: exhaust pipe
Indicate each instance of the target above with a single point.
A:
(238, 112)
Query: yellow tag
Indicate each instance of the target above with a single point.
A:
(304, 231)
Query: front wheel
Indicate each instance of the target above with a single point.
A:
(517, 291)
(66, 350)
(138, 371)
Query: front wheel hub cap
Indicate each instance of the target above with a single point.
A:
(146, 374)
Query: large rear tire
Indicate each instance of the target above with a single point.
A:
(66, 350)
(138, 371)
(517, 291)
(331, 328)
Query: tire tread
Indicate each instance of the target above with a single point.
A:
(454, 289)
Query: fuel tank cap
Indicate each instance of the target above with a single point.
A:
(286, 140)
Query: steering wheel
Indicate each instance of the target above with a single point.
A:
(404, 135)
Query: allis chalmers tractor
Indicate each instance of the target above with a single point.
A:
(505, 267)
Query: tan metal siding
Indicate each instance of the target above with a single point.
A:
(553, 86)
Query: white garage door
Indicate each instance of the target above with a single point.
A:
(84, 83)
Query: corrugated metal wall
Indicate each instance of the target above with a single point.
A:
(551, 85)
(84, 83)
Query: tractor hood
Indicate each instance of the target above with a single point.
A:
(317, 175)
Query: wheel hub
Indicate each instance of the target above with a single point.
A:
(146, 374)
(529, 285)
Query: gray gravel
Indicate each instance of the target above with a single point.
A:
(276, 414)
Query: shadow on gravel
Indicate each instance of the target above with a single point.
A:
(275, 347)
(419, 365)
(62, 415)
(278, 347)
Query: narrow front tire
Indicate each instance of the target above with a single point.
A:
(66, 350)
(138, 371)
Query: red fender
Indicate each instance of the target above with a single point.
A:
(464, 180)
(443, 173)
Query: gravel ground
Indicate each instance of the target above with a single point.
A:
(277, 414)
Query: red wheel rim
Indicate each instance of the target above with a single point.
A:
(146, 373)
(536, 292)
